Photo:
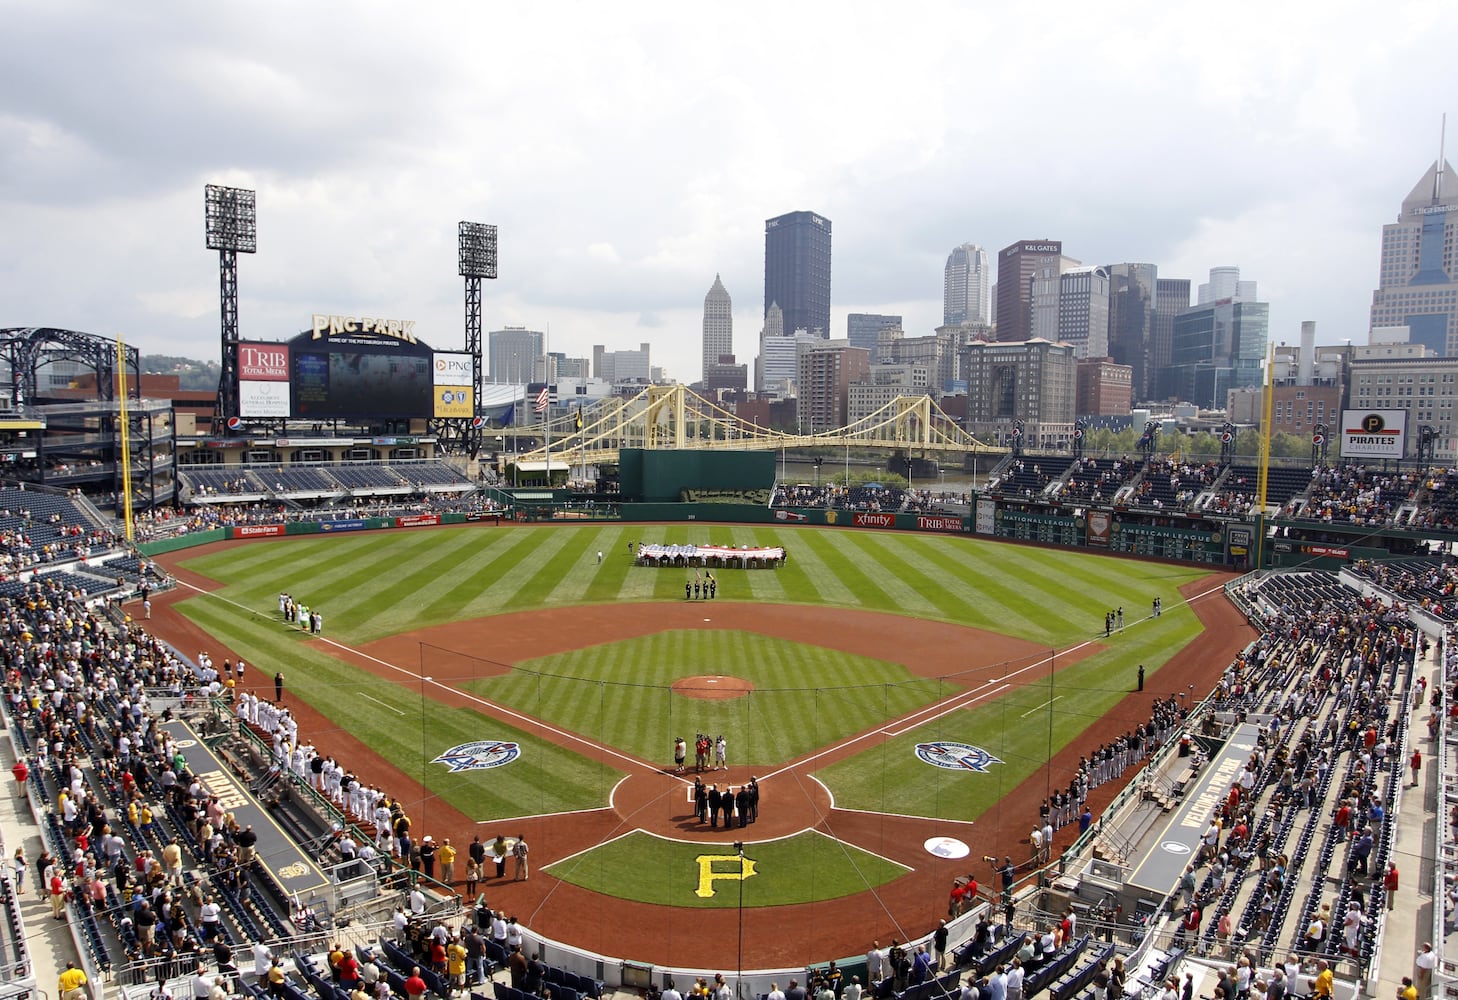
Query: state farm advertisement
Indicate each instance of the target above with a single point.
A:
(417, 520)
(930, 522)
(874, 520)
(257, 530)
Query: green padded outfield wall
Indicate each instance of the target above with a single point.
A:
(663, 476)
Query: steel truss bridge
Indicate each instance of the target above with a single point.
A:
(672, 416)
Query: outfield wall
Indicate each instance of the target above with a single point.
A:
(1183, 540)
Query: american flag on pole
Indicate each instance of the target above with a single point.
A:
(543, 398)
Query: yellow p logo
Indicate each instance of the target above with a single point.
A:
(743, 869)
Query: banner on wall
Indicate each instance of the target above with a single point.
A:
(1374, 433)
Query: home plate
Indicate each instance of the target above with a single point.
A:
(947, 847)
(708, 619)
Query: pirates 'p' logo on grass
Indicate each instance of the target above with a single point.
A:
(956, 756)
(479, 755)
(742, 868)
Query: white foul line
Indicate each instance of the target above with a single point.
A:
(380, 703)
(1039, 708)
(527, 720)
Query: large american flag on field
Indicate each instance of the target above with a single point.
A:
(543, 398)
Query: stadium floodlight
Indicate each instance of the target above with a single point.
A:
(232, 219)
(477, 250)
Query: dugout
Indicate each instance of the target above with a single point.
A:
(668, 476)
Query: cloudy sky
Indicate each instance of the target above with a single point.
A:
(630, 151)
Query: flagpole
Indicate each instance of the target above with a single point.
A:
(547, 420)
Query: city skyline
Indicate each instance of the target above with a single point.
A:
(621, 184)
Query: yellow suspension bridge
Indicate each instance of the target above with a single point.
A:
(673, 416)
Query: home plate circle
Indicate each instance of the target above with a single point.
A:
(947, 847)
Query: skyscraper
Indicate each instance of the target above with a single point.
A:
(1083, 311)
(1016, 265)
(967, 286)
(718, 325)
(1172, 297)
(1131, 322)
(516, 355)
(1218, 346)
(797, 270)
(862, 330)
(1418, 285)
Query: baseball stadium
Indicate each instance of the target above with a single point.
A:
(332, 687)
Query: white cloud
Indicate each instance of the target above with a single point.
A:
(630, 153)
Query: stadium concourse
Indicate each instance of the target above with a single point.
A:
(148, 877)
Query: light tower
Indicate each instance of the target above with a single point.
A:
(477, 242)
(232, 228)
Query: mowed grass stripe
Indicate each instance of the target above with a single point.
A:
(907, 584)
(848, 562)
(560, 576)
(403, 589)
(825, 578)
(456, 602)
(363, 587)
(982, 593)
(515, 572)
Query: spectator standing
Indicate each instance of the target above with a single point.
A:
(1423, 967)
(519, 854)
(72, 983)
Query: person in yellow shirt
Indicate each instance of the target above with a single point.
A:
(134, 817)
(446, 855)
(1407, 991)
(72, 983)
(456, 963)
(1323, 984)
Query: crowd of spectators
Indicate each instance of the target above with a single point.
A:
(165, 522)
(832, 496)
(1169, 483)
(1356, 494)
(1307, 813)
(1096, 480)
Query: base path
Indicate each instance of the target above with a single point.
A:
(654, 800)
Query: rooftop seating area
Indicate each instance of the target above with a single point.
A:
(1028, 476)
(365, 478)
(1096, 480)
(1283, 483)
(833, 497)
(1355, 494)
(1169, 485)
(1440, 510)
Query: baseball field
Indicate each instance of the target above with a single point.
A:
(531, 680)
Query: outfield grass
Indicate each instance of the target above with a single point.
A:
(377, 584)
(804, 696)
(805, 868)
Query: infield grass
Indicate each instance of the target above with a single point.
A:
(620, 693)
(806, 868)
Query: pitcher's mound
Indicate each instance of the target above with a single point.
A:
(712, 687)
